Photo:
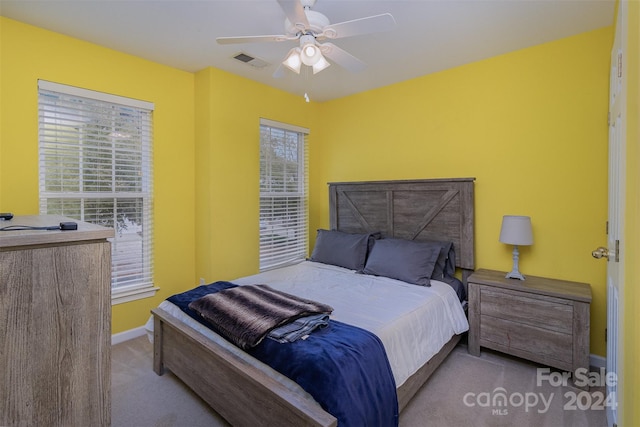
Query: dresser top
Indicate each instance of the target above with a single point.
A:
(532, 284)
(14, 238)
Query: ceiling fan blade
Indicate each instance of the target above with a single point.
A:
(253, 39)
(279, 72)
(342, 57)
(356, 27)
(295, 13)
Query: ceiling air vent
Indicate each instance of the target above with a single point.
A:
(250, 60)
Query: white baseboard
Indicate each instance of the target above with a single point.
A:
(128, 335)
(597, 361)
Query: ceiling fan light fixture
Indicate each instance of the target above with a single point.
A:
(309, 51)
(320, 65)
(292, 61)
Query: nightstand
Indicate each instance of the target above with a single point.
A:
(538, 319)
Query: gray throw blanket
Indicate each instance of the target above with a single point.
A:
(299, 328)
(244, 315)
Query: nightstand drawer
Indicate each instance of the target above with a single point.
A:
(534, 343)
(533, 310)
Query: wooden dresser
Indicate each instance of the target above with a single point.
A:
(539, 319)
(55, 327)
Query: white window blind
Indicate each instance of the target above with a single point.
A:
(95, 158)
(283, 194)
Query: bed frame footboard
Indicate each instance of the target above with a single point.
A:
(239, 392)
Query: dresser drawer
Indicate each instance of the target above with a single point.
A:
(519, 307)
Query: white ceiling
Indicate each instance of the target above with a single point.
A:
(429, 36)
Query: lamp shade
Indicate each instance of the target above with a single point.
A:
(292, 61)
(320, 65)
(516, 230)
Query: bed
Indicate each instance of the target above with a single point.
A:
(246, 392)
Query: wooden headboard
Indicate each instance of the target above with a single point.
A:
(428, 209)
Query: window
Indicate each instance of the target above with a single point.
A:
(96, 166)
(283, 194)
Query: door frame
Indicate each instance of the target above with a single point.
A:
(616, 209)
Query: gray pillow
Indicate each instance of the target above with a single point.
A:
(405, 260)
(342, 249)
(445, 264)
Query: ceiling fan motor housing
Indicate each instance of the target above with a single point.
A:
(317, 21)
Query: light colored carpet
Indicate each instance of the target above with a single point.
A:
(461, 392)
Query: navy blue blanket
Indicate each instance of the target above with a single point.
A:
(344, 368)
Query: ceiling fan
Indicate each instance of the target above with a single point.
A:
(310, 28)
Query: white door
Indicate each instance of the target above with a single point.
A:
(614, 252)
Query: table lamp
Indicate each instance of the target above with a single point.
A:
(516, 230)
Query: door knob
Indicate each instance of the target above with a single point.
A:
(601, 252)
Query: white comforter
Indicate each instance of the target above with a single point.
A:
(413, 322)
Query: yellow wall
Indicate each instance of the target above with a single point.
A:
(229, 109)
(630, 410)
(27, 54)
(530, 126)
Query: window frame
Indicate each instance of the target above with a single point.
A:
(273, 254)
(127, 184)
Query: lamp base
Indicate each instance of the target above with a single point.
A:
(514, 275)
(515, 272)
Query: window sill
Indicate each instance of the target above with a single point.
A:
(127, 295)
